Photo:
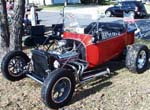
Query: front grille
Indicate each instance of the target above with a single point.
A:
(43, 61)
(40, 62)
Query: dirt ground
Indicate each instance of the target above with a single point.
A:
(121, 91)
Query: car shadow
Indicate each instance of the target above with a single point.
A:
(92, 87)
(116, 65)
(87, 92)
(39, 9)
(82, 93)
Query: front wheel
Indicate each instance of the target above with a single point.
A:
(14, 65)
(58, 88)
(137, 58)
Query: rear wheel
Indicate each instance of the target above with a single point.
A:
(137, 58)
(108, 13)
(14, 65)
(58, 88)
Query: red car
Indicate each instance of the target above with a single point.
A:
(74, 59)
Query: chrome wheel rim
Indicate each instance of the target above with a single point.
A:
(141, 59)
(132, 13)
(108, 13)
(61, 90)
(16, 66)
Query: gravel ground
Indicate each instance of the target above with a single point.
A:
(122, 91)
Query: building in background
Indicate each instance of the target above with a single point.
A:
(51, 2)
(144, 1)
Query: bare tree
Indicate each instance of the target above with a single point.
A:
(17, 30)
(4, 30)
(12, 42)
(44, 3)
(27, 1)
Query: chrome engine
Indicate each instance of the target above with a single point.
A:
(45, 61)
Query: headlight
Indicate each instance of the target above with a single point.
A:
(93, 39)
(56, 64)
(61, 43)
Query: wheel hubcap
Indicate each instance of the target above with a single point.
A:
(108, 13)
(16, 66)
(61, 90)
(132, 13)
(141, 59)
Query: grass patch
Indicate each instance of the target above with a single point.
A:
(53, 7)
(60, 6)
(142, 41)
(147, 6)
(109, 3)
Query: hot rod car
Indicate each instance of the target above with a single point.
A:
(73, 59)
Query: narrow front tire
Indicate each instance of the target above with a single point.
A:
(58, 88)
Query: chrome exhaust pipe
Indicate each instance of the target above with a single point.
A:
(89, 78)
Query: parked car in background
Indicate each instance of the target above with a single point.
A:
(137, 9)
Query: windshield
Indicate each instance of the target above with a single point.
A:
(76, 19)
(118, 4)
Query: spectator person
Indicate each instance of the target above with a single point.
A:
(27, 25)
(26, 20)
(10, 5)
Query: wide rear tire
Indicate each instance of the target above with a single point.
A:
(137, 58)
(58, 88)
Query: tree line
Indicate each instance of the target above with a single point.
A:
(93, 1)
